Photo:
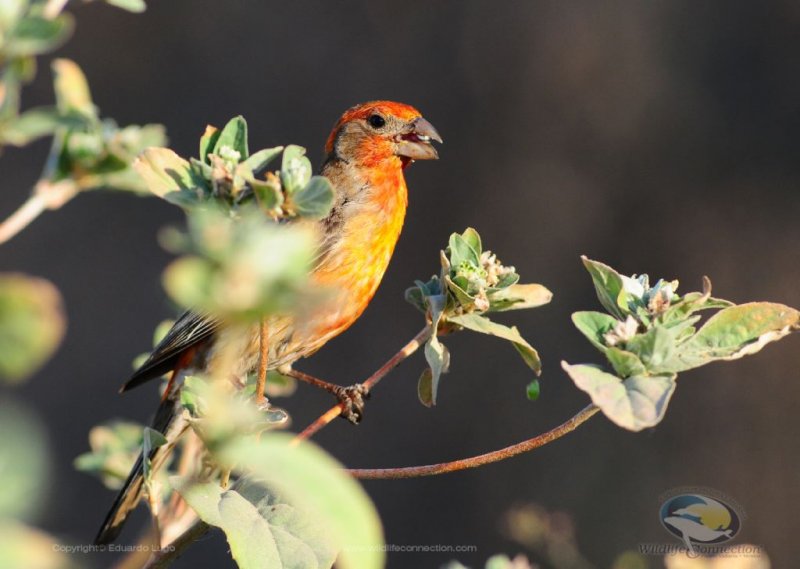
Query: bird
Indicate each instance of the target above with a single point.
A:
(366, 154)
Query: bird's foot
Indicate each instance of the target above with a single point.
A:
(353, 399)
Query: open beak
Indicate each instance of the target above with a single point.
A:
(416, 142)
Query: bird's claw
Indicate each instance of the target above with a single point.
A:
(353, 399)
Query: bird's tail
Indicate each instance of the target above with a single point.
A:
(169, 422)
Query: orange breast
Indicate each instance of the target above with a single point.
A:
(354, 267)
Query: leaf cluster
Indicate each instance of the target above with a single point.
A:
(227, 176)
(472, 282)
(651, 333)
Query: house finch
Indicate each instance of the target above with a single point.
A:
(366, 153)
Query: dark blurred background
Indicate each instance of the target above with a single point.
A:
(659, 137)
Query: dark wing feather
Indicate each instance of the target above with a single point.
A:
(171, 424)
(188, 331)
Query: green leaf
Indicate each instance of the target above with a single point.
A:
(609, 286)
(416, 296)
(169, 176)
(115, 448)
(72, 89)
(151, 439)
(438, 357)
(483, 325)
(295, 169)
(262, 530)
(268, 194)
(259, 160)
(207, 142)
(36, 123)
(636, 403)
(519, 297)
(32, 324)
(309, 479)
(693, 302)
(234, 136)
(315, 200)
(624, 363)
(653, 348)
(24, 462)
(189, 280)
(594, 325)
(21, 546)
(462, 252)
(425, 388)
(735, 332)
(463, 297)
(135, 6)
(473, 239)
(34, 35)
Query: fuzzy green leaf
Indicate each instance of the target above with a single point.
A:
(24, 462)
(636, 403)
(262, 530)
(425, 388)
(315, 200)
(653, 348)
(135, 6)
(34, 35)
(594, 325)
(462, 252)
(609, 286)
(624, 363)
(473, 239)
(261, 159)
(207, 142)
(169, 176)
(309, 479)
(735, 332)
(268, 195)
(234, 136)
(438, 357)
(519, 297)
(31, 324)
(483, 325)
(72, 89)
(36, 123)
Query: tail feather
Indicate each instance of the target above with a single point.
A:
(168, 422)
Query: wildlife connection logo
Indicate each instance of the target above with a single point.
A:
(704, 520)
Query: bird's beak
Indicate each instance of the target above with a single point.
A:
(415, 143)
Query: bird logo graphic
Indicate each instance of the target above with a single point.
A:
(699, 519)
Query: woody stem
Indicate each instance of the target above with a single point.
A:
(46, 195)
(331, 414)
(263, 362)
(475, 461)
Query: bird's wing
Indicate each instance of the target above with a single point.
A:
(188, 331)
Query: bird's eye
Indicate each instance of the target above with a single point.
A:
(376, 121)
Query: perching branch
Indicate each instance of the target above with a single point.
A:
(368, 384)
(480, 460)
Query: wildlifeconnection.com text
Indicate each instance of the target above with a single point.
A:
(416, 548)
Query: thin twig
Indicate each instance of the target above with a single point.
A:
(311, 380)
(263, 362)
(368, 384)
(321, 421)
(480, 460)
(46, 195)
